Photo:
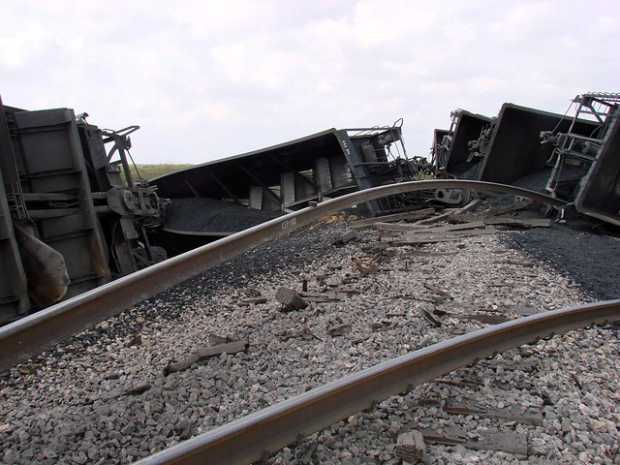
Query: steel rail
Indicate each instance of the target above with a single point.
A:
(35, 333)
(260, 434)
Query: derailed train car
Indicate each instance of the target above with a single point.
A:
(573, 158)
(71, 216)
(221, 197)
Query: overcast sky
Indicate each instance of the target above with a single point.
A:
(209, 79)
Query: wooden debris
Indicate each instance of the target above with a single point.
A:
(374, 247)
(526, 365)
(134, 389)
(396, 227)
(417, 238)
(410, 447)
(409, 215)
(290, 299)
(339, 330)
(346, 238)
(419, 229)
(252, 293)
(463, 383)
(382, 325)
(205, 353)
(365, 265)
(320, 298)
(419, 299)
(434, 321)
(470, 206)
(348, 291)
(215, 339)
(135, 341)
(516, 206)
(304, 333)
(519, 222)
(137, 389)
(255, 300)
(510, 442)
(524, 311)
(332, 282)
(450, 213)
(485, 318)
(440, 292)
(491, 212)
(518, 413)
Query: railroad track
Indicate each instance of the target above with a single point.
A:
(259, 435)
(34, 334)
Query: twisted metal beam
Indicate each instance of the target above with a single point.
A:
(35, 333)
(260, 434)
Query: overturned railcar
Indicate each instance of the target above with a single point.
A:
(71, 216)
(512, 151)
(574, 158)
(218, 198)
(454, 157)
(600, 194)
(596, 153)
(506, 149)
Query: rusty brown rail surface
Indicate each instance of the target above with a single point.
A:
(260, 434)
(33, 334)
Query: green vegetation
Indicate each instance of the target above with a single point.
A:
(153, 171)
(422, 175)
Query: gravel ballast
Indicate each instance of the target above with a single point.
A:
(103, 398)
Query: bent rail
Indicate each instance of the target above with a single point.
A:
(35, 333)
(257, 435)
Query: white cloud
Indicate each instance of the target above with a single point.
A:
(211, 79)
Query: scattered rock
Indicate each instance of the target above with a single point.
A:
(290, 299)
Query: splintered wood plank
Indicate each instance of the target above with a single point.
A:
(449, 213)
(409, 215)
(203, 353)
(520, 222)
(418, 229)
(518, 413)
(415, 238)
(510, 442)
(410, 446)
